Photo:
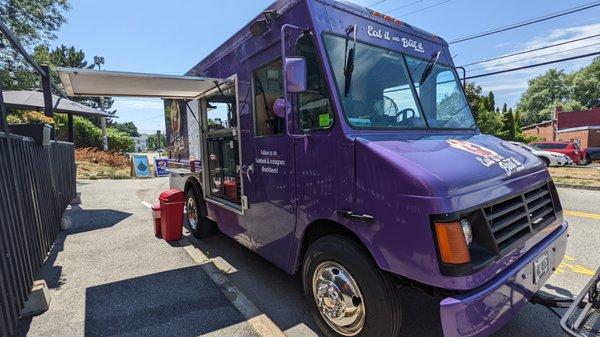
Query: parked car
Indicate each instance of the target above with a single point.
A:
(549, 158)
(590, 154)
(570, 149)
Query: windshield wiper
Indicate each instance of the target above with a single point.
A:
(349, 57)
(434, 59)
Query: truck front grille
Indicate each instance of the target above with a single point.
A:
(520, 216)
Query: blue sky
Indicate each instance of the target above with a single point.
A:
(169, 37)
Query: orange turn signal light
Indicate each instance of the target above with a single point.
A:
(452, 243)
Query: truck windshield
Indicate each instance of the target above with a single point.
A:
(387, 88)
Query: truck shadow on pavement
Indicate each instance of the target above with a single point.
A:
(281, 297)
(180, 302)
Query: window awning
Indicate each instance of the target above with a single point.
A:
(88, 82)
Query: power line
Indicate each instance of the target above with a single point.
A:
(147, 119)
(425, 8)
(528, 22)
(535, 57)
(377, 3)
(530, 50)
(404, 6)
(532, 65)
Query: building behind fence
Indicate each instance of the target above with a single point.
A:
(36, 185)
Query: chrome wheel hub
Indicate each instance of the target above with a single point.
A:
(192, 213)
(338, 298)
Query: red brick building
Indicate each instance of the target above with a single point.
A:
(581, 127)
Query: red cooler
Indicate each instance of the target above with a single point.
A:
(171, 214)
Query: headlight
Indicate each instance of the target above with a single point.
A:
(467, 231)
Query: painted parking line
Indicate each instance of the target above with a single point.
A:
(583, 214)
(146, 204)
(569, 264)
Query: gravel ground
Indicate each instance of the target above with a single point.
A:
(109, 276)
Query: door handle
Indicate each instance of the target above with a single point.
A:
(247, 170)
(351, 216)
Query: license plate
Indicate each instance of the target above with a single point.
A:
(540, 267)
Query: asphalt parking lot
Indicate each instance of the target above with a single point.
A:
(102, 290)
(251, 273)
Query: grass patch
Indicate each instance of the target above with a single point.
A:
(581, 176)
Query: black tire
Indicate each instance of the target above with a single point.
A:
(382, 306)
(546, 161)
(586, 161)
(202, 227)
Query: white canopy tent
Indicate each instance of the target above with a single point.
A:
(88, 82)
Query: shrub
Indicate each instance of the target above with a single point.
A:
(89, 135)
(29, 117)
(119, 141)
(93, 155)
(13, 119)
(36, 117)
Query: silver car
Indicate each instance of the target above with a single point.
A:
(549, 158)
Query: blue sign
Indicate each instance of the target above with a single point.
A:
(162, 167)
(141, 166)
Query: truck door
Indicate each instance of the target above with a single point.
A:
(269, 172)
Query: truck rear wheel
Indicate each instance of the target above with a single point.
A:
(349, 294)
(198, 225)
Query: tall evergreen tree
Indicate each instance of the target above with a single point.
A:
(505, 108)
(491, 101)
(508, 126)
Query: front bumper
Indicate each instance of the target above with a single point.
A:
(486, 309)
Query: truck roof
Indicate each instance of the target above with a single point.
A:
(282, 6)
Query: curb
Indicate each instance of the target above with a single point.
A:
(259, 322)
(579, 187)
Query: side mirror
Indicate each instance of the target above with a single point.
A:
(295, 74)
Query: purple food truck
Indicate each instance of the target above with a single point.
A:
(337, 143)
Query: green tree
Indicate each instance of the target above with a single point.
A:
(33, 21)
(473, 93)
(584, 85)
(490, 122)
(70, 57)
(152, 143)
(491, 101)
(505, 108)
(543, 90)
(508, 126)
(127, 127)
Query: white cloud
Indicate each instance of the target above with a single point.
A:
(552, 37)
(508, 86)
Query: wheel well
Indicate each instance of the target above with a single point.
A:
(192, 182)
(324, 227)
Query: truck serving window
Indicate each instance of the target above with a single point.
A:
(314, 107)
(383, 94)
(268, 87)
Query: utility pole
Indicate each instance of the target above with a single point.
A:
(99, 60)
(157, 140)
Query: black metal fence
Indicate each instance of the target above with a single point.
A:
(36, 185)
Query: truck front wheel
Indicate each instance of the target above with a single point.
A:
(349, 294)
(194, 216)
